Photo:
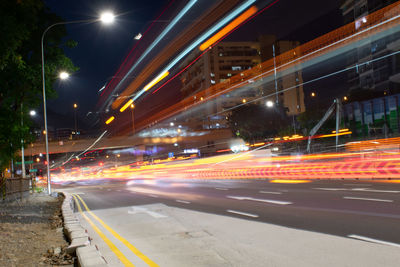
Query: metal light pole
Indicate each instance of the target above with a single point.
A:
(76, 125)
(106, 17)
(133, 119)
(276, 83)
(22, 146)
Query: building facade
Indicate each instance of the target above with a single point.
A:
(227, 59)
(374, 69)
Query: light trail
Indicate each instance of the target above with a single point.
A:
(124, 107)
(159, 38)
(228, 28)
(281, 169)
(134, 47)
(204, 36)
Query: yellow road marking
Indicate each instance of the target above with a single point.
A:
(113, 248)
(120, 238)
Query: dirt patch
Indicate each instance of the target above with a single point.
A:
(32, 234)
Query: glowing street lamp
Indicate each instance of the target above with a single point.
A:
(32, 113)
(63, 75)
(269, 104)
(106, 18)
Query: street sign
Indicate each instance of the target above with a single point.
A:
(26, 162)
(33, 170)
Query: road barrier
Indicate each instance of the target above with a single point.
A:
(14, 188)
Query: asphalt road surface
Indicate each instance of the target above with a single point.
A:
(364, 210)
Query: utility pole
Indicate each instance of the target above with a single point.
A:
(337, 100)
(22, 145)
(276, 83)
(76, 124)
(133, 119)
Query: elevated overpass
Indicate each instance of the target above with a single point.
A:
(196, 139)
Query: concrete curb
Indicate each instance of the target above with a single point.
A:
(88, 255)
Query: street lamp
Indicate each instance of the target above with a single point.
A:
(269, 104)
(63, 75)
(32, 113)
(106, 17)
(133, 119)
(76, 125)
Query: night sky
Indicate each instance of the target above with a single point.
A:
(101, 49)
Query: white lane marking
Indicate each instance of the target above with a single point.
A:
(182, 201)
(79, 193)
(358, 190)
(370, 199)
(118, 190)
(358, 184)
(219, 188)
(108, 189)
(135, 210)
(151, 195)
(243, 213)
(373, 240)
(269, 192)
(331, 189)
(261, 200)
(374, 190)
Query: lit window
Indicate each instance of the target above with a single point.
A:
(229, 74)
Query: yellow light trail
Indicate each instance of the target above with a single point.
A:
(330, 135)
(248, 13)
(110, 120)
(126, 105)
(156, 80)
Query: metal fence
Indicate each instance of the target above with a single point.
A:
(13, 188)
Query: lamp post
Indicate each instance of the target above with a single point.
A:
(133, 119)
(107, 18)
(76, 125)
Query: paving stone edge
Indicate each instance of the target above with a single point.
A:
(87, 254)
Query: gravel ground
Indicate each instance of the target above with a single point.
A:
(31, 233)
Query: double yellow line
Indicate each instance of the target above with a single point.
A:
(112, 246)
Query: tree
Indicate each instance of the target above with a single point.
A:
(255, 122)
(21, 26)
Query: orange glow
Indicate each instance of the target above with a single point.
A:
(258, 144)
(283, 181)
(156, 80)
(127, 104)
(236, 22)
(286, 169)
(110, 120)
(373, 144)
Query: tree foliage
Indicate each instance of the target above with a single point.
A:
(21, 26)
(257, 122)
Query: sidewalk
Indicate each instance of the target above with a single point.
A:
(31, 232)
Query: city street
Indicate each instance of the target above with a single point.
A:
(343, 216)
